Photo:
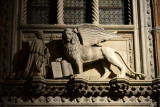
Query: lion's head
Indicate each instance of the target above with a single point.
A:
(70, 36)
(71, 43)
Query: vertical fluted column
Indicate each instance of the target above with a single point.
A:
(95, 12)
(129, 13)
(60, 11)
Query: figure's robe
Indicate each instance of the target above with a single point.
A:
(36, 61)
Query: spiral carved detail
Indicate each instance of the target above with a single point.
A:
(24, 14)
(95, 12)
(60, 11)
(129, 13)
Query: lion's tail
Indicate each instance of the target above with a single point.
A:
(143, 75)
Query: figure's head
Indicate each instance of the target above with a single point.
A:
(39, 34)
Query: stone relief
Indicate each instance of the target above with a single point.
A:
(80, 47)
(81, 52)
(87, 92)
(55, 90)
(38, 59)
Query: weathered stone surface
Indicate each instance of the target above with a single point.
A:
(81, 53)
(90, 90)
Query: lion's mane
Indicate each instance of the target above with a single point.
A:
(72, 48)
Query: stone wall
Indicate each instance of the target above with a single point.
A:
(138, 45)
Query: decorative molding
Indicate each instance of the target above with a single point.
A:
(146, 39)
(34, 27)
(43, 91)
(150, 40)
(77, 87)
(29, 36)
(81, 100)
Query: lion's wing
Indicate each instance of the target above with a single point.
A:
(92, 34)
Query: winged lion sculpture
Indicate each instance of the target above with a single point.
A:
(79, 50)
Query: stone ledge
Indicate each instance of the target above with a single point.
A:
(118, 91)
(79, 87)
(79, 105)
(62, 27)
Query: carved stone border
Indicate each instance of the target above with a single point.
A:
(83, 92)
(80, 105)
(81, 87)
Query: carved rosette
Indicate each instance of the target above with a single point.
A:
(60, 11)
(95, 12)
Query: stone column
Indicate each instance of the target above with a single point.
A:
(95, 12)
(157, 50)
(156, 31)
(60, 11)
(129, 12)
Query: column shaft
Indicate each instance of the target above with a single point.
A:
(60, 11)
(95, 12)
